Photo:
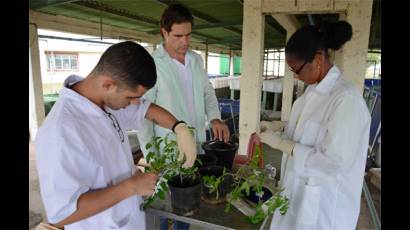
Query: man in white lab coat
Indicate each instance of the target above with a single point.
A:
(87, 176)
(325, 142)
(183, 86)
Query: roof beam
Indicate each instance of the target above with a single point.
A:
(78, 26)
(44, 3)
(203, 26)
(202, 16)
(276, 26)
(289, 22)
(106, 8)
(304, 6)
(226, 40)
(123, 13)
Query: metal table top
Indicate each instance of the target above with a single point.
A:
(208, 216)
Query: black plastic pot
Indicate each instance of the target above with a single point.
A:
(185, 196)
(255, 199)
(225, 152)
(207, 160)
(224, 188)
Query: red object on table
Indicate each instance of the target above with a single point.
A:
(254, 142)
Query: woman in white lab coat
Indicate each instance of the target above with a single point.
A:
(324, 144)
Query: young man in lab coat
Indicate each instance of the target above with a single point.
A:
(325, 143)
(183, 86)
(87, 176)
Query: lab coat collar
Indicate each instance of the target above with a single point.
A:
(162, 53)
(329, 80)
(86, 105)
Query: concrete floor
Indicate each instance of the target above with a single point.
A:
(37, 212)
(36, 208)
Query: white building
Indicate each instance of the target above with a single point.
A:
(63, 54)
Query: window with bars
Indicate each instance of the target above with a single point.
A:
(58, 61)
(274, 63)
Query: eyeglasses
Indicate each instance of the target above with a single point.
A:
(300, 68)
(116, 125)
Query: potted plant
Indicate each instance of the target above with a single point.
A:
(181, 182)
(225, 152)
(205, 160)
(185, 192)
(250, 179)
(216, 183)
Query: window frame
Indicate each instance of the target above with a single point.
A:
(51, 60)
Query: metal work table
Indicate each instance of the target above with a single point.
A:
(208, 216)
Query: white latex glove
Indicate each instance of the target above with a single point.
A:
(186, 144)
(275, 141)
(275, 126)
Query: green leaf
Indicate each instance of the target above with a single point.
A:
(161, 195)
(147, 202)
(245, 186)
(227, 207)
(150, 155)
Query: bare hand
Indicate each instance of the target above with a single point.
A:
(220, 130)
(143, 184)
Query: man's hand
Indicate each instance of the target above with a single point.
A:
(275, 141)
(143, 184)
(275, 126)
(220, 130)
(186, 144)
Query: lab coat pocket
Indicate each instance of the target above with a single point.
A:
(310, 133)
(121, 212)
(309, 208)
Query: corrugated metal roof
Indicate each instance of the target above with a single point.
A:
(217, 21)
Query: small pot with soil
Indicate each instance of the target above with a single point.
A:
(216, 183)
(185, 194)
(205, 160)
(225, 152)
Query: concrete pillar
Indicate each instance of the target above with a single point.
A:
(36, 103)
(336, 56)
(206, 56)
(287, 94)
(251, 80)
(351, 59)
(151, 48)
(202, 54)
(231, 70)
(300, 88)
(264, 96)
(290, 24)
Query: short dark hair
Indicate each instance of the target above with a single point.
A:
(175, 13)
(307, 40)
(129, 64)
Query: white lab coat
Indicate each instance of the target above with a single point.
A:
(168, 92)
(77, 150)
(330, 124)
